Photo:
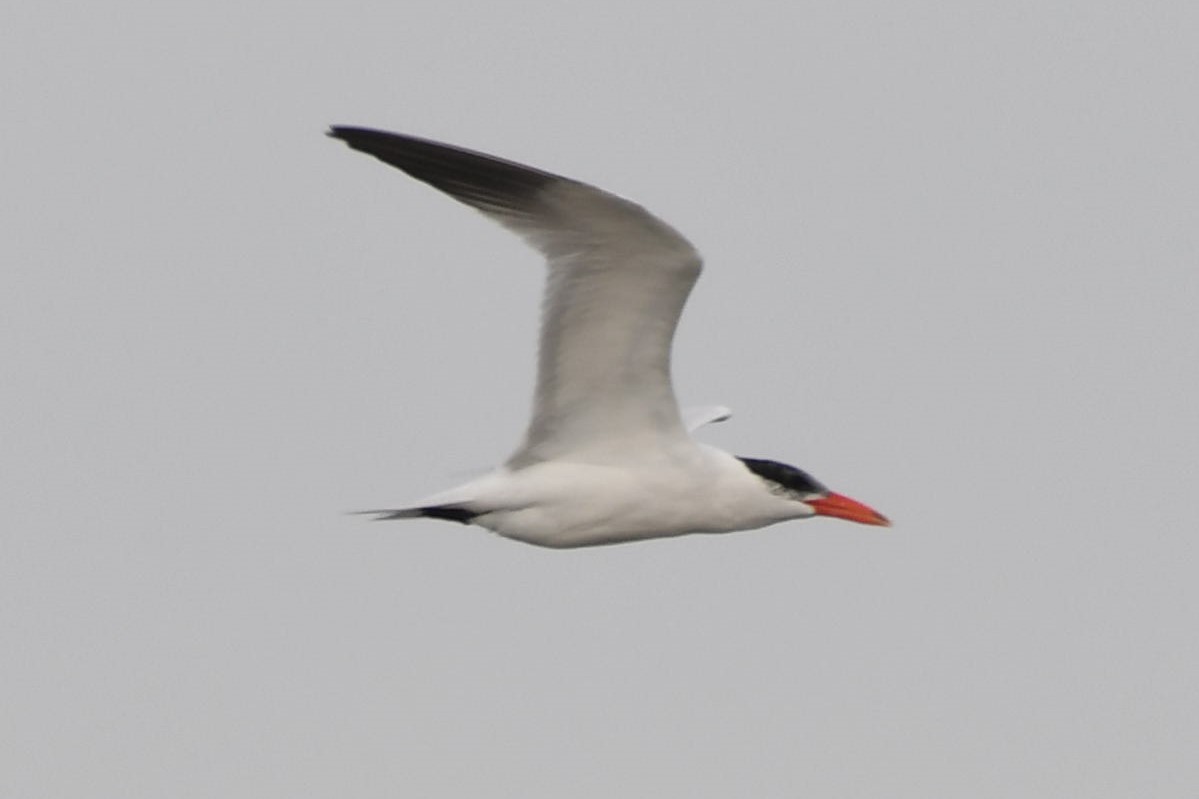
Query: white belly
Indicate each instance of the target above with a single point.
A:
(563, 504)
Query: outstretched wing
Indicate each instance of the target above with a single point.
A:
(617, 282)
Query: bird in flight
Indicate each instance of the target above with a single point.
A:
(608, 456)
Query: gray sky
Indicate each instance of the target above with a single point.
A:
(951, 271)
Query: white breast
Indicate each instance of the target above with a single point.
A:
(569, 504)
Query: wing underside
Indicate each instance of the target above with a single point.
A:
(617, 281)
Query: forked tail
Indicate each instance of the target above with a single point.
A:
(451, 513)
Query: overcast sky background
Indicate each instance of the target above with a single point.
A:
(951, 270)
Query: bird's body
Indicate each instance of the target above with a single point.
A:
(577, 502)
(608, 456)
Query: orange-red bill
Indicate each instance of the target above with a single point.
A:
(843, 507)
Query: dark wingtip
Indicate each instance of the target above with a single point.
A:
(483, 181)
(351, 134)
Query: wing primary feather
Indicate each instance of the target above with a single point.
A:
(478, 180)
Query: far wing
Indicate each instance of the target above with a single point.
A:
(696, 417)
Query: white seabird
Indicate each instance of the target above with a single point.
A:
(608, 456)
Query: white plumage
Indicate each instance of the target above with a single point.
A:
(607, 456)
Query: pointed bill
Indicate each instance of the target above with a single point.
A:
(842, 507)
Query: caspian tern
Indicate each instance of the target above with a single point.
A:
(608, 456)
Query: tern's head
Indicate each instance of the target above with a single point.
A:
(800, 486)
